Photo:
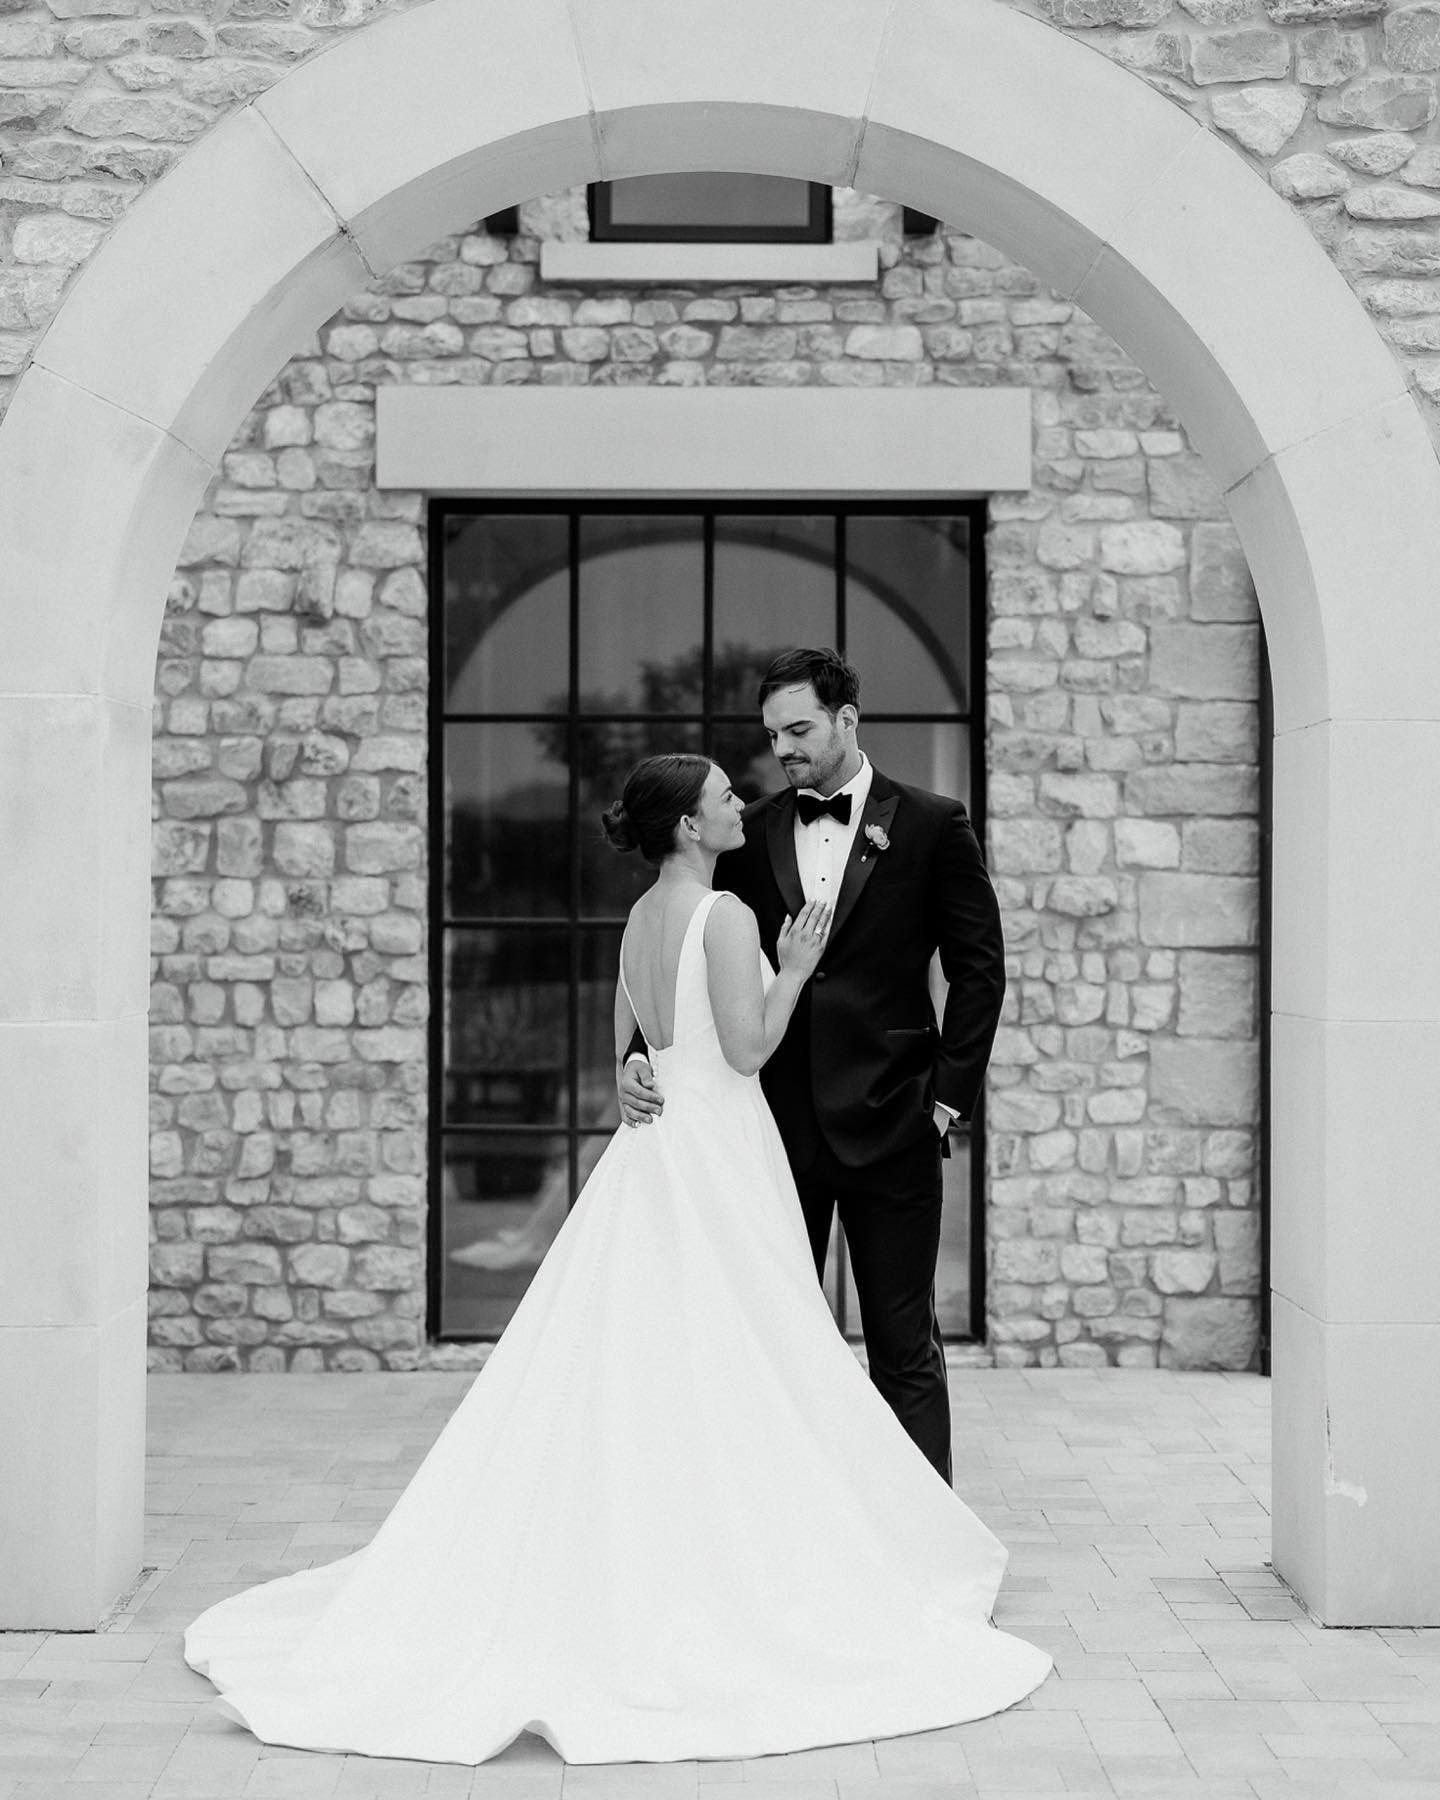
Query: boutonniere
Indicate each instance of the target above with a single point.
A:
(875, 836)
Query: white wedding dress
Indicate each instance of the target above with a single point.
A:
(671, 1518)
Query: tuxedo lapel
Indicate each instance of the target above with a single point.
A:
(780, 842)
(860, 865)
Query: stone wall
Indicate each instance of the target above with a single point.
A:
(1334, 100)
(290, 861)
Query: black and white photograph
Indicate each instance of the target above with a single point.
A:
(719, 1014)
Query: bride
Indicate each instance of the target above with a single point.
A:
(671, 1517)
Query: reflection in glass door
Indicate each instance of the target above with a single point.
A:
(567, 642)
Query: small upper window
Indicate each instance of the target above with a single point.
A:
(710, 209)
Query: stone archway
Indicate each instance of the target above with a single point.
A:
(963, 108)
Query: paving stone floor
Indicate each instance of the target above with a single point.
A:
(1135, 1505)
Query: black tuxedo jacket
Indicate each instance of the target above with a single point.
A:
(863, 1060)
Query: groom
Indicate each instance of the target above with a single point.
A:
(863, 1085)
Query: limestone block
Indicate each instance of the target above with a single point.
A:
(384, 1267)
(1326, 56)
(319, 1265)
(1237, 1238)
(1087, 846)
(390, 1043)
(1381, 154)
(1158, 52)
(1204, 661)
(1412, 37)
(240, 1263)
(29, 296)
(1217, 995)
(1116, 1106)
(290, 674)
(179, 849)
(1062, 546)
(1025, 1260)
(1181, 487)
(1210, 911)
(54, 238)
(1215, 731)
(304, 850)
(1220, 584)
(1146, 1226)
(1308, 177)
(1380, 102)
(1083, 796)
(1209, 1333)
(1083, 15)
(1146, 844)
(1204, 1082)
(1422, 170)
(289, 543)
(1263, 120)
(177, 1264)
(1182, 1271)
(375, 849)
(1220, 846)
(1384, 201)
(1024, 846)
(1248, 53)
(157, 117)
(334, 1002)
(1082, 896)
(1142, 547)
(1304, 12)
(203, 798)
(1084, 1263)
(1205, 788)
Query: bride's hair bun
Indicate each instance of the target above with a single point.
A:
(619, 827)
(659, 792)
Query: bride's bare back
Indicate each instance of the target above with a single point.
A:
(747, 1009)
(650, 956)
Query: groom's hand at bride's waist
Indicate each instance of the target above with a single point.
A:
(640, 1100)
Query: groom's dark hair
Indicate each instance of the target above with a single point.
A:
(835, 683)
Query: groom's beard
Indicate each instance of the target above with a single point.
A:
(809, 772)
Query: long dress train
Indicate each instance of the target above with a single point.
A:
(670, 1518)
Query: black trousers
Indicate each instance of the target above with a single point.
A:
(890, 1214)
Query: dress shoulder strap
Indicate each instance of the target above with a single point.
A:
(692, 1004)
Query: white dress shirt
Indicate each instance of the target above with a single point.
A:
(823, 848)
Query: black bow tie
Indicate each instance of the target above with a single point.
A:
(811, 806)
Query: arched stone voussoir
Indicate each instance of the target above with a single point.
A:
(93, 505)
(424, 122)
(1214, 287)
(1004, 126)
(1342, 533)
(766, 95)
(186, 339)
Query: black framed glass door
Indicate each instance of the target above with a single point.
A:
(567, 642)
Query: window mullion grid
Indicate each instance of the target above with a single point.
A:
(976, 602)
(842, 1271)
(572, 998)
(707, 635)
(841, 577)
(438, 862)
(442, 924)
